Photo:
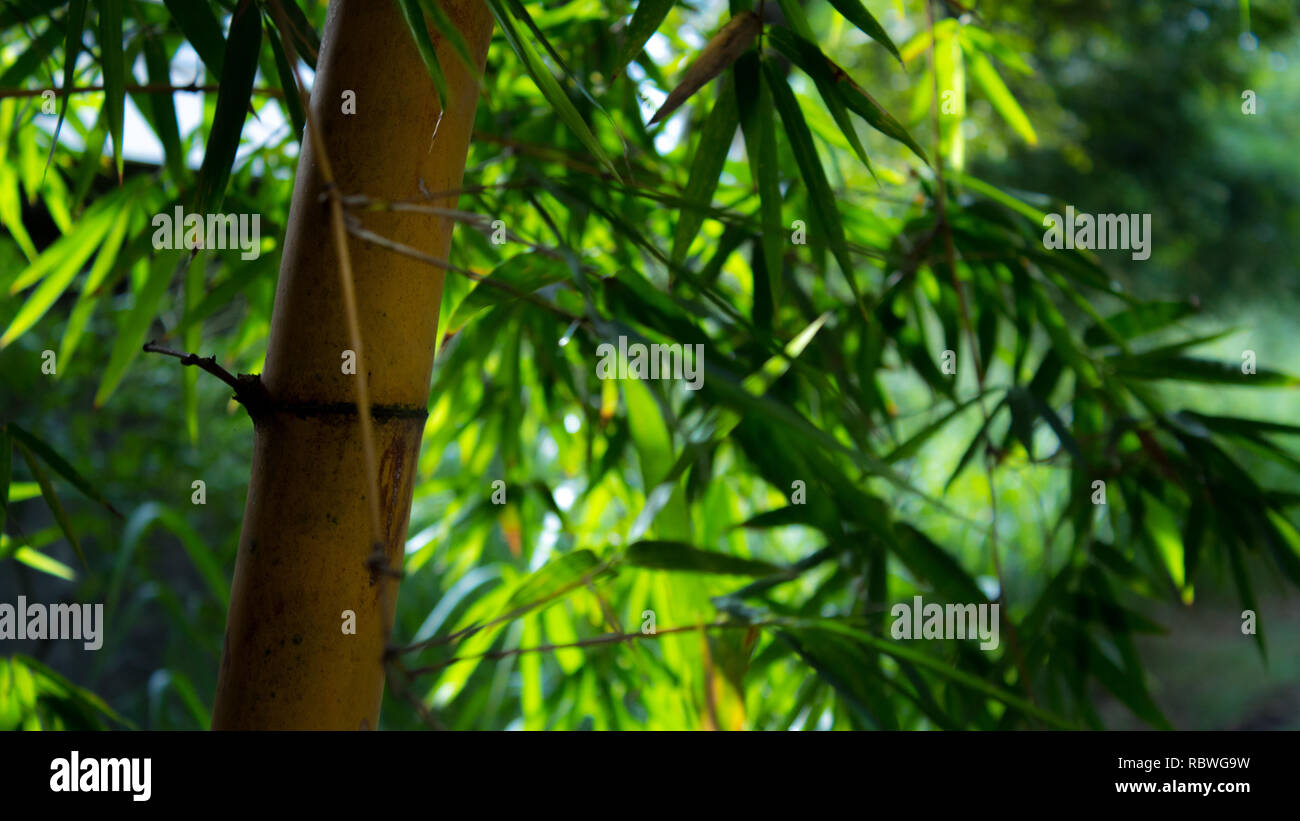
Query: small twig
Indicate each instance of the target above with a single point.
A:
(354, 228)
(513, 614)
(609, 638)
(247, 387)
(207, 363)
(134, 88)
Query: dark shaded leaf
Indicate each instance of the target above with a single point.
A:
(723, 49)
(202, 29)
(662, 555)
(706, 167)
(857, 14)
(111, 54)
(647, 18)
(240, 68)
(51, 500)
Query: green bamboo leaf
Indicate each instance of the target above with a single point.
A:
(1051, 321)
(1182, 345)
(1245, 590)
(513, 279)
(237, 74)
(11, 211)
(910, 448)
(866, 107)
(448, 29)
(782, 517)
(201, 29)
(980, 438)
(820, 197)
(1040, 406)
(942, 669)
(928, 561)
(551, 579)
(1127, 685)
(131, 332)
(193, 336)
(424, 45)
(223, 294)
(86, 231)
(845, 666)
(549, 86)
(150, 514)
(305, 39)
(646, 20)
(823, 73)
(158, 67)
(61, 466)
(667, 555)
(706, 167)
(979, 186)
(75, 22)
(166, 678)
(111, 55)
(758, 127)
(1191, 369)
(758, 382)
(797, 19)
(994, 47)
(289, 85)
(999, 95)
(1141, 319)
(654, 447)
(1240, 425)
(85, 705)
(857, 14)
(63, 260)
(51, 499)
(38, 561)
(109, 253)
(31, 59)
(1284, 542)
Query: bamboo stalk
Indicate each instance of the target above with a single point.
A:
(305, 553)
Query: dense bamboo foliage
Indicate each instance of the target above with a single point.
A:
(906, 386)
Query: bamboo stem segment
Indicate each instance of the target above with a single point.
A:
(306, 542)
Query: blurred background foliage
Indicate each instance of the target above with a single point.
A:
(823, 363)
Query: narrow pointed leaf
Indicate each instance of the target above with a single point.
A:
(706, 167)
(666, 555)
(647, 18)
(61, 466)
(164, 108)
(725, 47)
(549, 85)
(424, 45)
(448, 29)
(201, 29)
(820, 197)
(110, 47)
(857, 14)
(758, 127)
(131, 332)
(239, 69)
(75, 21)
(289, 85)
(999, 96)
(52, 500)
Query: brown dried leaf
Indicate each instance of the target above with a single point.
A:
(720, 52)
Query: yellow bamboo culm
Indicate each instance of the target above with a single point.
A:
(306, 544)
